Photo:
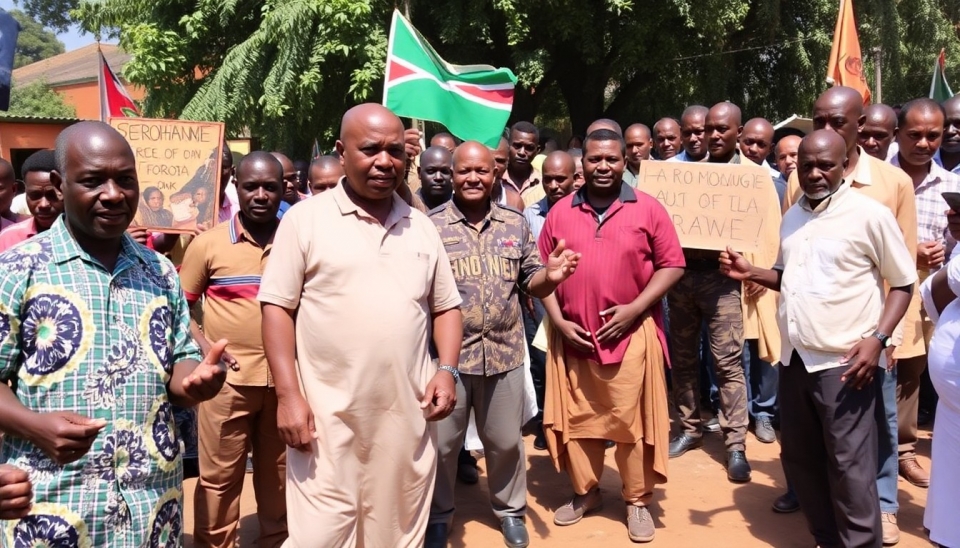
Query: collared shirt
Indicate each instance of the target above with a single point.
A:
(619, 255)
(16, 233)
(231, 203)
(530, 196)
(76, 337)
(835, 259)
(533, 180)
(224, 265)
(931, 207)
(682, 156)
(630, 178)
(939, 160)
(774, 174)
(492, 265)
(781, 185)
(536, 215)
(884, 183)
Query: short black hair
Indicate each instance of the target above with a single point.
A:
(606, 135)
(526, 127)
(259, 156)
(41, 160)
(923, 103)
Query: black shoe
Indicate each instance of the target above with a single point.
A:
(683, 443)
(514, 532)
(924, 417)
(609, 444)
(712, 425)
(763, 429)
(738, 469)
(786, 503)
(436, 536)
(467, 472)
(540, 441)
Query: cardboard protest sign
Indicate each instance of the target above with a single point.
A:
(178, 165)
(716, 205)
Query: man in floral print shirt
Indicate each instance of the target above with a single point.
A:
(95, 342)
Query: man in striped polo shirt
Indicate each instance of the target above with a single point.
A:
(224, 265)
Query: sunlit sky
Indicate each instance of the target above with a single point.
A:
(72, 39)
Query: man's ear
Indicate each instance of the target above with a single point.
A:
(57, 181)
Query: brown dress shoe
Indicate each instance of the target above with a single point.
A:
(891, 531)
(911, 471)
(579, 505)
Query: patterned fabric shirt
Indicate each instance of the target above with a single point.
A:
(491, 265)
(74, 337)
(931, 207)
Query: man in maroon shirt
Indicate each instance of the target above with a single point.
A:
(607, 344)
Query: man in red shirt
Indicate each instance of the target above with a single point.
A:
(43, 200)
(607, 343)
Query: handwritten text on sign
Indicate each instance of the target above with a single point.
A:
(713, 205)
(178, 165)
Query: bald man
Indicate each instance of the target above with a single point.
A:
(948, 157)
(667, 138)
(346, 323)
(291, 179)
(692, 135)
(103, 351)
(835, 322)
(605, 123)
(878, 132)
(444, 140)
(840, 109)
(325, 172)
(786, 154)
(639, 143)
(703, 295)
(756, 142)
(490, 275)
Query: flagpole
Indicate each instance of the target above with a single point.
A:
(418, 124)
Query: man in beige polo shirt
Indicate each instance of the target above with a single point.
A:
(356, 282)
(837, 249)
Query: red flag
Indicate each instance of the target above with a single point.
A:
(114, 100)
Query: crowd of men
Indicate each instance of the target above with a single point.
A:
(339, 326)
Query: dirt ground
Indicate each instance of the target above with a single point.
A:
(697, 508)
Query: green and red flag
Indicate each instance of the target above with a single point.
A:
(115, 102)
(939, 88)
(472, 101)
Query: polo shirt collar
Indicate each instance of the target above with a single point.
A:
(938, 159)
(398, 210)
(66, 248)
(627, 194)
(829, 202)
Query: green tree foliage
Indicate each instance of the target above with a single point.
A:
(34, 43)
(37, 99)
(285, 70)
(54, 14)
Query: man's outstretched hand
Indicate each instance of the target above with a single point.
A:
(207, 379)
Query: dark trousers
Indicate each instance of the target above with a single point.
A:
(538, 358)
(829, 453)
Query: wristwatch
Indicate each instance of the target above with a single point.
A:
(452, 370)
(884, 339)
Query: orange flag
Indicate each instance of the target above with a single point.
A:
(845, 67)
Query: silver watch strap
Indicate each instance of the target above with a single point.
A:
(450, 369)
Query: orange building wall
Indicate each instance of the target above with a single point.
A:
(85, 97)
(16, 135)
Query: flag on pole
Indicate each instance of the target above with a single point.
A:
(939, 88)
(845, 66)
(472, 101)
(114, 100)
(9, 29)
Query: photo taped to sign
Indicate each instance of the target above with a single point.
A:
(178, 166)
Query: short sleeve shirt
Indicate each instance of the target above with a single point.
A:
(619, 256)
(835, 259)
(75, 337)
(224, 265)
(491, 265)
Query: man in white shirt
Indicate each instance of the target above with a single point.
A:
(837, 248)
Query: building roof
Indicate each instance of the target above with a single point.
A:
(19, 119)
(72, 67)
